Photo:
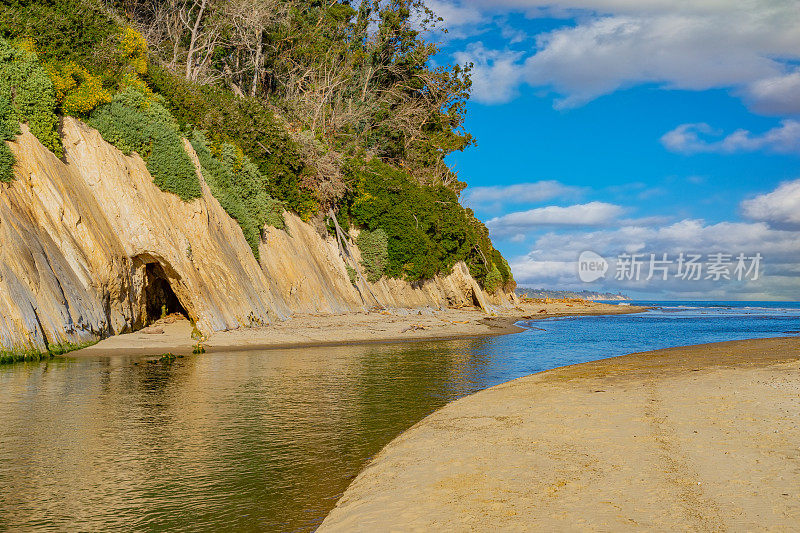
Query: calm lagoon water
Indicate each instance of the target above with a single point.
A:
(269, 440)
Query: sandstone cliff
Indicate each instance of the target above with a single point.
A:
(90, 247)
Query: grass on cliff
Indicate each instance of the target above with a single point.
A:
(53, 350)
(239, 186)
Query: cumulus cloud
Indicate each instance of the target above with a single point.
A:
(612, 6)
(580, 215)
(778, 95)
(780, 208)
(519, 193)
(495, 73)
(699, 138)
(456, 14)
(553, 260)
(748, 47)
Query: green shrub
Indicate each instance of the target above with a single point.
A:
(247, 123)
(26, 85)
(374, 253)
(9, 128)
(493, 280)
(239, 186)
(6, 163)
(501, 264)
(137, 121)
(427, 230)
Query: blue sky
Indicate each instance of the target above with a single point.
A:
(634, 126)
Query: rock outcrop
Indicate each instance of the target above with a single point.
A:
(90, 247)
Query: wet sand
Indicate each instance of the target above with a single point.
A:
(701, 438)
(398, 325)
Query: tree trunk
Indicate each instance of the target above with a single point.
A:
(193, 40)
(257, 62)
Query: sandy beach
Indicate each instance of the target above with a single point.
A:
(700, 438)
(174, 334)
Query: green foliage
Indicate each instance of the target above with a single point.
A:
(493, 280)
(351, 274)
(26, 85)
(9, 127)
(239, 186)
(356, 77)
(66, 347)
(244, 122)
(6, 163)
(22, 356)
(427, 231)
(132, 51)
(78, 31)
(374, 247)
(136, 121)
(34, 355)
(501, 264)
(426, 228)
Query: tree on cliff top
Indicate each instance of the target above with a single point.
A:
(356, 78)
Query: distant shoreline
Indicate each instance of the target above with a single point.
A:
(400, 325)
(696, 437)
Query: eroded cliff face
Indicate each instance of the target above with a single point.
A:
(91, 248)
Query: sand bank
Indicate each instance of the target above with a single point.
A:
(697, 438)
(398, 325)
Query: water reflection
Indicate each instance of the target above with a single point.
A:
(234, 441)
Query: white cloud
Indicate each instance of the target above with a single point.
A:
(495, 73)
(456, 14)
(620, 6)
(780, 208)
(748, 47)
(552, 262)
(519, 193)
(580, 215)
(655, 220)
(779, 95)
(698, 138)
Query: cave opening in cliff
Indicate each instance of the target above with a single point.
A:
(159, 297)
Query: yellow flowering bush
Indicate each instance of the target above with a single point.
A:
(133, 49)
(27, 45)
(78, 92)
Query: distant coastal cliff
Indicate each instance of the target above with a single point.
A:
(583, 295)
